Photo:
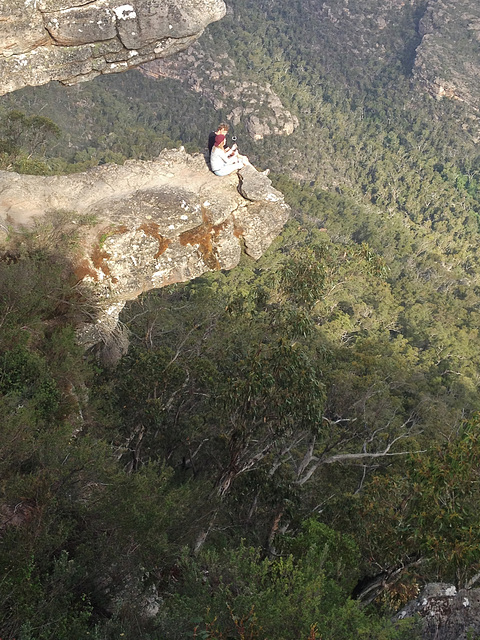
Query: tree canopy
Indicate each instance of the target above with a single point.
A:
(279, 436)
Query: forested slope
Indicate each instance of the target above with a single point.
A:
(278, 435)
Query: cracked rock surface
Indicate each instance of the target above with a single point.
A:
(151, 223)
(447, 614)
(76, 40)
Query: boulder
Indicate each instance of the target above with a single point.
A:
(447, 614)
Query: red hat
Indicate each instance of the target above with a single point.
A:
(219, 138)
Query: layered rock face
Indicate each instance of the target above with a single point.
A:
(447, 63)
(218, 80)
(76, 40)
(151, 224)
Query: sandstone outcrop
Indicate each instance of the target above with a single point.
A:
(76, 40)
(447, 62)
(151, 224)
(256, 106)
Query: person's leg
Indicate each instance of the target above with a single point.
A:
(244, 159)
(229, 168)
(246, 162)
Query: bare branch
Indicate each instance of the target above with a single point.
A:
(180, 346)
(170, 401)
(343, 457)
(473, 580)
(360, 484)
(353, 457)
(307, 458)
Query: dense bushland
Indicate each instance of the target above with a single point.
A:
(279, 436)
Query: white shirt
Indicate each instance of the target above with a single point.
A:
(219, 158)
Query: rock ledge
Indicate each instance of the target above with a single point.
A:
(153, 223)
(76, 40)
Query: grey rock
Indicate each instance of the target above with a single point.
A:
(152, 224)
(447, 614)
(82, 25)
(21, 27)
(447, 62)
(257, 186)
(258, 226)
(76, 40)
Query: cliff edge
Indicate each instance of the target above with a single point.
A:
(75, 40)
(149, 224)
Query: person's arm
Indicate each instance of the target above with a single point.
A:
(232, 157)
(231, 150)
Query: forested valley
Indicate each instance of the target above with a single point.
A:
(289, 450)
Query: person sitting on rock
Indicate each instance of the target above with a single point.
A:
(224, 161)
(222, 129)
(212, 135)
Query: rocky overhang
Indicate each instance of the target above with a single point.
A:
(151, 224)
(75, 40)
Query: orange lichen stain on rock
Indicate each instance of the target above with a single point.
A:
(99, 259)
(202, 237)
(152, 229)
(122, 228)
(84, 269)
(238, 231)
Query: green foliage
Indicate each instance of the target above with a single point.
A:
(237, 593)
(106, 120)
(23, 375)
(244, 395)
(429, 512)
(55, 601)
(22, 138)
(303, 275)
(329, 551)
